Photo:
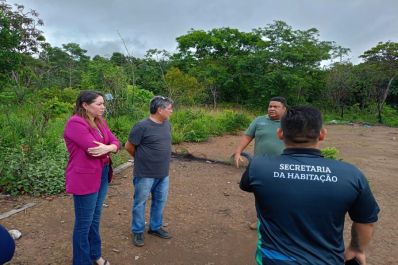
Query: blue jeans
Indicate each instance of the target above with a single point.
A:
(159, 187)
(86, 234)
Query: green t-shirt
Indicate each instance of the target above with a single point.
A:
(263, 130)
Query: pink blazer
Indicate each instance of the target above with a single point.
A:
(83, 171)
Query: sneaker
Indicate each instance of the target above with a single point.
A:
(159, 233)
(138, 239)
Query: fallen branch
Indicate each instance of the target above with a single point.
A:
(14, 211)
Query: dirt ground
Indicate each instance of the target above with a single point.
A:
(207, 214)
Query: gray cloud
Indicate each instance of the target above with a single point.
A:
(94, 24)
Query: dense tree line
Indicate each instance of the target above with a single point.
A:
(222, 65)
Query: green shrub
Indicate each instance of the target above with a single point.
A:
(177, 136)
(69, 95)
(182, 117)
(24, 124)
(330, 152)
(197, 130)
(54, 131)
(139, 97)
(35, 170)
(234, 121)
(54, 108)
(45, 94)
(390, 116)
(121, 127)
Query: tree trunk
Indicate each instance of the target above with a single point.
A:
(213, 91)
(70, 75)
(18, 90)
(342, 111)
(383, 99)
(299, 94)
(387, 91)
(379, 108)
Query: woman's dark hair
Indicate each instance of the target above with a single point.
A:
(301, 124)
(159, 102)
(87, 97)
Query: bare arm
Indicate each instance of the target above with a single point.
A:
(130, 148)
(244, 142)
(361, 234)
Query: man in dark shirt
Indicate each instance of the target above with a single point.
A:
(302, 199)
(149, 143)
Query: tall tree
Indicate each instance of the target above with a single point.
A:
(294, 59)
(383, 61)
(56, 73)
(104, 76)
(19, 36)
(274, 60)
(221, 42)
(221, 50)
(118, 59)
(76, 63)
(183, 89)
(212, 75)
(339, 86)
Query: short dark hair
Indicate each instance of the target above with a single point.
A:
(301, 124)
(159, 102)
(280, 99)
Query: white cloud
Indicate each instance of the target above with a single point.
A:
(354, 24)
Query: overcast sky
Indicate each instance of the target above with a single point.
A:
(149, 24)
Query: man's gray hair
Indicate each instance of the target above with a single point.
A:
(159, 102)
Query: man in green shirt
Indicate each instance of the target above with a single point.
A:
(263, 130)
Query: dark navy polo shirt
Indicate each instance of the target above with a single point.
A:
(301, 201)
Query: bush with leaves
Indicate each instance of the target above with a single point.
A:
(330, 152)
(33, 154)
(198, 130)
(234, 121)
(35, 171)
(139, 97)
(54, 108)
(121, 126)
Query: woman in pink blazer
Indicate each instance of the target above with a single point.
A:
(89, 142)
